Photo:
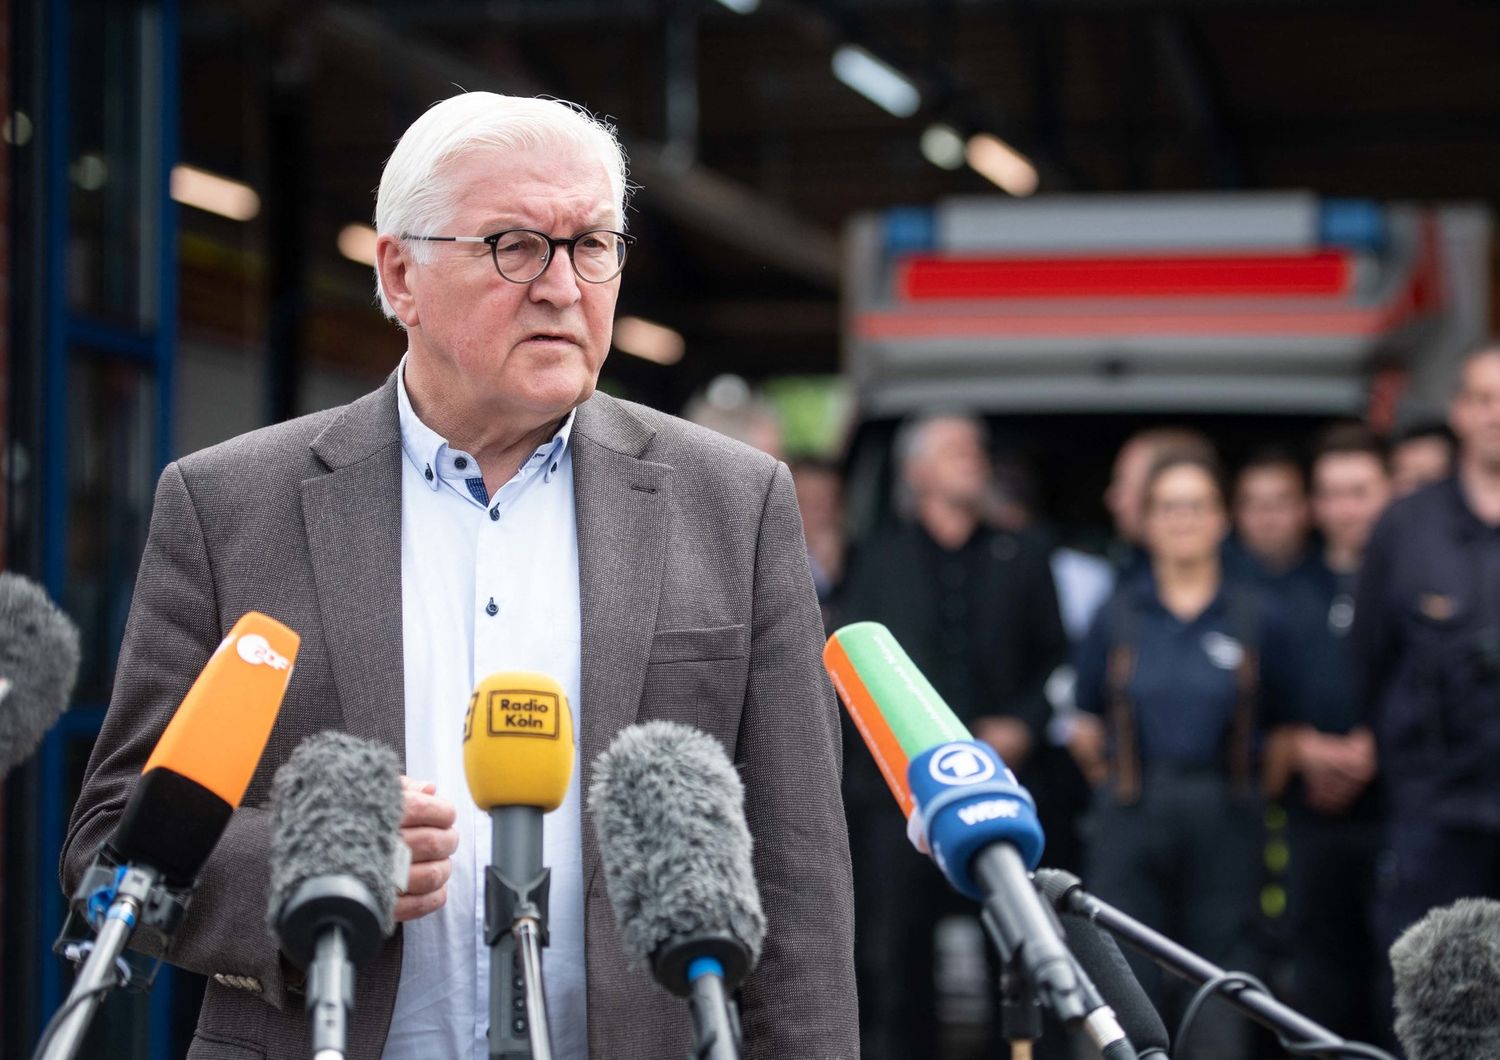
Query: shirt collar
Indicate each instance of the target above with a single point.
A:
(552, 452)
(430, 454)
(423, 446)
(1149, 598)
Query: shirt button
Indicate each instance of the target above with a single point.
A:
(428, 472)
(494, 515)
(491, 608)
(554, 467)
(461, 463)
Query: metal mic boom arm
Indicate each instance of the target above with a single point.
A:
(1065, 891)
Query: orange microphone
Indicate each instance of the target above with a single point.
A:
(190, 787)
(198, 772)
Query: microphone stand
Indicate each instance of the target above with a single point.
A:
(330, 995)
(716, 1025)
(99, 974)
(1028, 935)
(706, 969)
(1030, 941)
(1020, 1015)
(515, 929)
(1287, 1023)
(328, 925)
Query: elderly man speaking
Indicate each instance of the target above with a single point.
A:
(485, 510)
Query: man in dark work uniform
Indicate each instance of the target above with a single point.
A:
(1426, 645)
(976, 609)
(1328, 753)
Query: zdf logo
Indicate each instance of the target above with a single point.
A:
(960, 763)
(257, 651)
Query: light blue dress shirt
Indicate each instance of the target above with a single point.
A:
(487, 584)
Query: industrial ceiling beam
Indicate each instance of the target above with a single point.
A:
(692, 195)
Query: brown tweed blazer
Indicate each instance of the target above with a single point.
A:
(697, 606)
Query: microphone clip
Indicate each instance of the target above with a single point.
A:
(161, 912)
(506, 902)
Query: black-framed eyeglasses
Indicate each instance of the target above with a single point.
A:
(523, 254)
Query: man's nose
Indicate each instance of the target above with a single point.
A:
(558, 283)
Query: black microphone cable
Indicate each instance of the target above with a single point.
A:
(49, 1032)
(1221, 984)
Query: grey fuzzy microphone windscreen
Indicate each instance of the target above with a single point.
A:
(668, 808)
(38, 666)
(1447, 975)
(336, 807)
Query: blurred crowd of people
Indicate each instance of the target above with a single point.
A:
(1315, 641)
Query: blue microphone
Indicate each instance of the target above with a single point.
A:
(965, 808)
(981, 828)
(967, 800)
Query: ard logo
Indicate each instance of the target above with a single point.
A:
(960, 764)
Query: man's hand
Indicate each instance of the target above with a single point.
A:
(1010, 737)
(427, 827)
(1335, 769)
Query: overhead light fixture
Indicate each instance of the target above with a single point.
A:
(203, 190)
(652, 342)
(876, 80)
(741, 7)
(1001, 164)
(942, 146)
(357, 243)
(90, 172)
(16, 129)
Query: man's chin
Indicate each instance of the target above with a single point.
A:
(557, 402)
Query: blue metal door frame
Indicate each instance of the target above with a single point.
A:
(61, 332)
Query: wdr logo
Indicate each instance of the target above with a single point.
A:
(992, 810)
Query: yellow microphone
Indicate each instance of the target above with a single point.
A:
(518, 759)
(518, 742)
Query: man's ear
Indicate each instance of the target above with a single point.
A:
(393, 260)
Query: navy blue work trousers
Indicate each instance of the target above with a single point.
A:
(1186, 860)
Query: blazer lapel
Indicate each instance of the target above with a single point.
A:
(622, 528)
(353, 519)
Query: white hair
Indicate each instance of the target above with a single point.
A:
(914, 436)
(415, 199)
(912, 442)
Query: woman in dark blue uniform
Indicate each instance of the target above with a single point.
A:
(1181, 672)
